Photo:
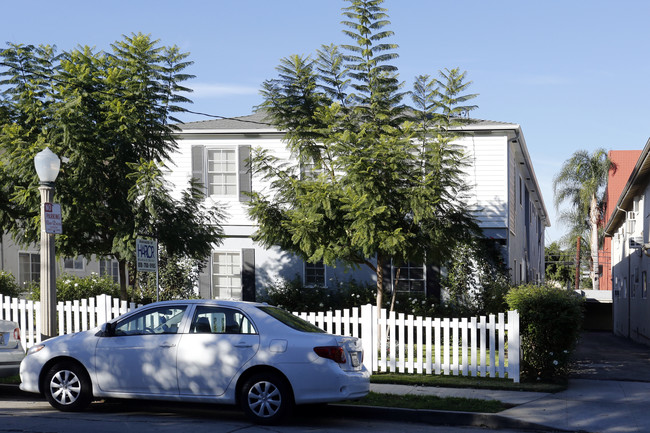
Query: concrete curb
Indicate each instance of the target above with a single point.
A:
(436, 417)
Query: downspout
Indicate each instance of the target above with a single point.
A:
(628, 288)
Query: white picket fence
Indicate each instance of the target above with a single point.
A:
(396, 343)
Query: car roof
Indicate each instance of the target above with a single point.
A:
(216, 302)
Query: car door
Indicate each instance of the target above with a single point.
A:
(219, 342)
(140, 354)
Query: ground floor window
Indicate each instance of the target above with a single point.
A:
(410, 277)
(315, 274)
(29, 265)
(73, 264)
(226, 275)
(110, 268)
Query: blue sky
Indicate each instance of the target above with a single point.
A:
(571, 73)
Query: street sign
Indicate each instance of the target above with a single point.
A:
(52, 214)
(146, 255)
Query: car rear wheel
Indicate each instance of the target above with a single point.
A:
(67, 387)
(266, 398)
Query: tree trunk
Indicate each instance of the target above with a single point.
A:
(122, 268)
(593, 219)
(380, 281)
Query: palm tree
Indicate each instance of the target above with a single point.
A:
(580, 182)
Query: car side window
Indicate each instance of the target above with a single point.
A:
(161, 320)
(220, 320)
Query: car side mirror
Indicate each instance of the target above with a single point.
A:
(108, 329)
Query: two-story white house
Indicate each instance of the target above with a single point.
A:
(504, 188)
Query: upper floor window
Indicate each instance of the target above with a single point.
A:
(223, 170)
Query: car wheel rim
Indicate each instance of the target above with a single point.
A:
(65, 387)
(264, 399)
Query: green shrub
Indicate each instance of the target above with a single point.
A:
(550, 323)
(73, 288)
(292, 295)
(177, 277)
(476, 281)
(8, 285)
(417, 304)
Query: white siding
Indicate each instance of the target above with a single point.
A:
(487, 175)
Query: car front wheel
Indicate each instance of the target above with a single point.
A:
(266, 398)
(67, 387)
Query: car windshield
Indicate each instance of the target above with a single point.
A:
(291, 320)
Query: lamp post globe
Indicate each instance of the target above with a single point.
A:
(47, 166)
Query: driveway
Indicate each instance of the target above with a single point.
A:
(605, 356)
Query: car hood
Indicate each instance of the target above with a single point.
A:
(66, 342)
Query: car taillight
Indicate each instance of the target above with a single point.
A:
(17, 334)
(335, 353)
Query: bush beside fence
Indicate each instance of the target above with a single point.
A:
(396, 343)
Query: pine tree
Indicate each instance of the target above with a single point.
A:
(371, 185)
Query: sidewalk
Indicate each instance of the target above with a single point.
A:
(608, 393)
(605, 406)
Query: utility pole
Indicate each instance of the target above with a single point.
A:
(578, 265)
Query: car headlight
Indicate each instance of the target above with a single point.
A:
(37, 348)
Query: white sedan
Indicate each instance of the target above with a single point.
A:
(11, 351)
(254, 355)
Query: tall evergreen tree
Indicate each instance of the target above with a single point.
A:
(370, 187)
(107, 114)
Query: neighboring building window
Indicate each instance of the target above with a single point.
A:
(315, 274)
(226, 275)
(222, 172)
(73, 264)
(110, 268)
(411, 278)
(29, 268)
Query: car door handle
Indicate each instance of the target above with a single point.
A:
(167, 346)
(243, 345)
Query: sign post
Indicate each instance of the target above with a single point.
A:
(146, 252)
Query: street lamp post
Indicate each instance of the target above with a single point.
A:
(47, 167)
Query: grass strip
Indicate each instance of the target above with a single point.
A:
(430, 402)
(444, 381)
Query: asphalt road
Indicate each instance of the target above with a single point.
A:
(28, 413)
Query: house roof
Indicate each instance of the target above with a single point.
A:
(256, 122)
(259, 122)
(635, 186)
